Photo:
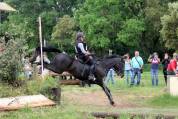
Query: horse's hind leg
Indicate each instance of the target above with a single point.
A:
(108, 93)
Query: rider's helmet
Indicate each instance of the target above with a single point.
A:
(79, 35)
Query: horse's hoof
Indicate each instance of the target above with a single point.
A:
(113, 104)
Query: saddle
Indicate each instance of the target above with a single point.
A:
(80, 60)
(92, 67)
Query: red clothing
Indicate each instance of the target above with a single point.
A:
(172, 65)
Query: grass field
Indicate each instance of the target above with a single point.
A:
(78, 102)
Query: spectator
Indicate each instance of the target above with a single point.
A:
(177, 62)
(154, 60)
(165, 63)
(110, 76)
(171, 69)
(137, 64)
(128, 68)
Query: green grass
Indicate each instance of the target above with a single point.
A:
(165, 100)
(58, 112)
(149, 100)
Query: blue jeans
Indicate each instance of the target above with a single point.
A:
(127, 74)
(154, 77)
(136, 72)
(110, 76)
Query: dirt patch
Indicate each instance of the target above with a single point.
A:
(97, 98)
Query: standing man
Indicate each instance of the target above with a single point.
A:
(137, 64)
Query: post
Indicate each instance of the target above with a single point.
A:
(44, 43)
(41, 45)
(0, 17)
(172, 85)
(110, 52)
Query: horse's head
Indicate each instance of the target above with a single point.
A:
(119, 66)
(116, 62)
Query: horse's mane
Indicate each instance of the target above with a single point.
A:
(49, 49)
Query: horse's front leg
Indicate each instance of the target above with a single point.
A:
(108, 93)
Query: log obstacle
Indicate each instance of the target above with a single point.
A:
(70, 82)
(131, 115)
(56, 92)
(64, 75)
(105, 115)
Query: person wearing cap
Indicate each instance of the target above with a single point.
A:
(171, 69)
(154, 60)
(83, 54)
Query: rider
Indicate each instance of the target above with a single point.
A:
(83, 54)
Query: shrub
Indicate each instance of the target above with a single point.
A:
(10, 60)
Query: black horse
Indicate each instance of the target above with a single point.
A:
(63, 62)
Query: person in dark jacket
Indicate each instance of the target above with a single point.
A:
(83, 54)
(165, 63)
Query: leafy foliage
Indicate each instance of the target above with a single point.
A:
(120, 25)
(10, 61)
(153, 11)
(131, 32)
(64, 33)
(170, 26)
(110, 22)
(26, 19)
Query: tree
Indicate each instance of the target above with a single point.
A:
(169, 29)
(153, 10)
(131, 32)
(27, 15)
(110, 23)
(10, 60)
(64, 33)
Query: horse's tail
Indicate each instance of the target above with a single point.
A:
(49, 49)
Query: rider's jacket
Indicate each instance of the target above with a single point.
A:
(81, 50)
(78, 49)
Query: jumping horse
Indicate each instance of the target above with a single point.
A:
(63, 62)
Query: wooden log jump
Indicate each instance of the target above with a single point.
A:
(63, 74)
(105, 115)
(131, 115)
(70, 82)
